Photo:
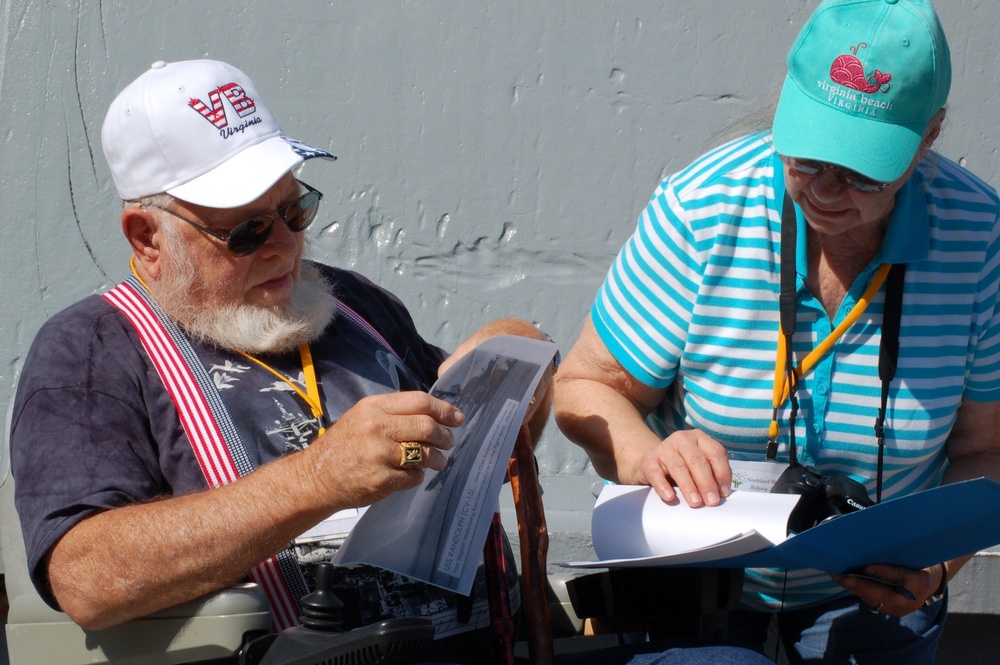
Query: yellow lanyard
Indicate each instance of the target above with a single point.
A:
(131, 266)
(311, 394)
(782, 385)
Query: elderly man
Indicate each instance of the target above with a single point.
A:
(176, 434)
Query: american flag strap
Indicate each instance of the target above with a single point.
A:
(214, 439)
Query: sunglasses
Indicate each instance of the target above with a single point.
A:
(847, 177)
(247, 237)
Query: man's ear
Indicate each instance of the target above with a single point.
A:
(146, 237)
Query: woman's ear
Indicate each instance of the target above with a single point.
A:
(931, 133)
(144, 234)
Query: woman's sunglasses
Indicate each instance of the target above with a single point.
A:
(847, 177)
(249, 236)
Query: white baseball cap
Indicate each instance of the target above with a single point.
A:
(199, 131)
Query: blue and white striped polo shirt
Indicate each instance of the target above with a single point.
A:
(691, 304)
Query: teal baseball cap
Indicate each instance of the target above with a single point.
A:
(864, 79)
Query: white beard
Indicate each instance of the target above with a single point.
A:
(248, 328)
(254, 330)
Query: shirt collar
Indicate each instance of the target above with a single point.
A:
(908, 237)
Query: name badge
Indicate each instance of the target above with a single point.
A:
(755, 473)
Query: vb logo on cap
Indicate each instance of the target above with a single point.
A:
(216, 113)
(199, 131)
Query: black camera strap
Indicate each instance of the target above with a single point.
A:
(888, 355)
(888, 346)
(787, 298)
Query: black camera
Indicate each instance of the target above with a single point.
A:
(822, 497)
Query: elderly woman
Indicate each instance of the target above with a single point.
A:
(691, 354)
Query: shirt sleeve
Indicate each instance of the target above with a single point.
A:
(984, 377)
(80, 440)
(643, 310)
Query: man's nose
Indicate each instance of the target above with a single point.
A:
(282, 241)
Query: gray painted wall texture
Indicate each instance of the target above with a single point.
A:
(494, 156)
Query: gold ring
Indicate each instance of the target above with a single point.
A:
(411, 455)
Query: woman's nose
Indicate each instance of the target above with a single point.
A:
(826, 184)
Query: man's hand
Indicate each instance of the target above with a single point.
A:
(510, 326)
(538, 411)
(357, 460)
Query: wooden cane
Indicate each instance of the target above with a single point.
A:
(533, 535)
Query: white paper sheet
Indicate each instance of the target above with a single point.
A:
(631, 523)
(435, 532)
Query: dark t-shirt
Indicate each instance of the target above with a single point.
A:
(93, 427)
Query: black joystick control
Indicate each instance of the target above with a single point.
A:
(322, 610)
(322, 640)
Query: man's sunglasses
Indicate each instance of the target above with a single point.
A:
(249, 236)
(847, 177)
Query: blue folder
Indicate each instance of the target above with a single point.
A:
(914, 531)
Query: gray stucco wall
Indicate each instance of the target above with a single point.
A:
(493, 155)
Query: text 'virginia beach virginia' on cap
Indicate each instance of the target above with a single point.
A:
(864, 79)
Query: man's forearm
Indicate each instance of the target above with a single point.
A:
(129, 562)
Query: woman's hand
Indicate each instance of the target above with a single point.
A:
(690, 460)
(602, 408)
(893, 590)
